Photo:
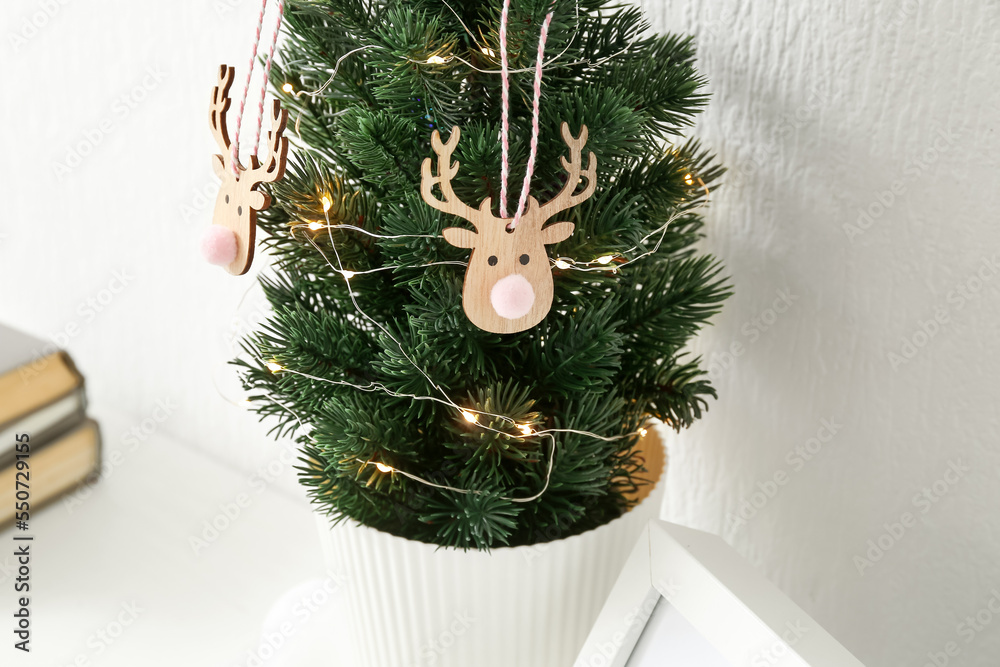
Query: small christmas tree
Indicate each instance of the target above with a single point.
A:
(411, 419)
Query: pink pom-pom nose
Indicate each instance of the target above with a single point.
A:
(512, 296)
(218, 245)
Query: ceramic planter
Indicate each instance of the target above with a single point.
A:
(414, 604)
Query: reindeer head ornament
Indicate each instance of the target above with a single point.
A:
(508, 285)
(239, 199)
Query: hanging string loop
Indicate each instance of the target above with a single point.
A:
(263, 87)
(505, 115)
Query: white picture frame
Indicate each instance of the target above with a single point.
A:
(686, 599)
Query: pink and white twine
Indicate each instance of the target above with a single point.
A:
(263, 88)
(505, 115)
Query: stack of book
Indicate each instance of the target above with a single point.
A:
(43, 403)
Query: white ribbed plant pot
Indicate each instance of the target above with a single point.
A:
(413, 604)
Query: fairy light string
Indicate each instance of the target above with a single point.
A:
(606, 262)
(551, 63)
(469, 414)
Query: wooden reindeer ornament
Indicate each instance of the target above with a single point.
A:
(508, 285)
(239, 199)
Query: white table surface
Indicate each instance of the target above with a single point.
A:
(120, 563)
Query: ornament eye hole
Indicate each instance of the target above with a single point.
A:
(239, 210)
(524, 259)
(227, 199)
(493, 260)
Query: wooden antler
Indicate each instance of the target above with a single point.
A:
(273, 166)
(566, 199)
(219, 107)
(446, 171)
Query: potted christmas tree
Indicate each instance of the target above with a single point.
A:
(484, 279)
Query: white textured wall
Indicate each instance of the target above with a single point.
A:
(819, 110)
(822, 111)
(125, 85)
